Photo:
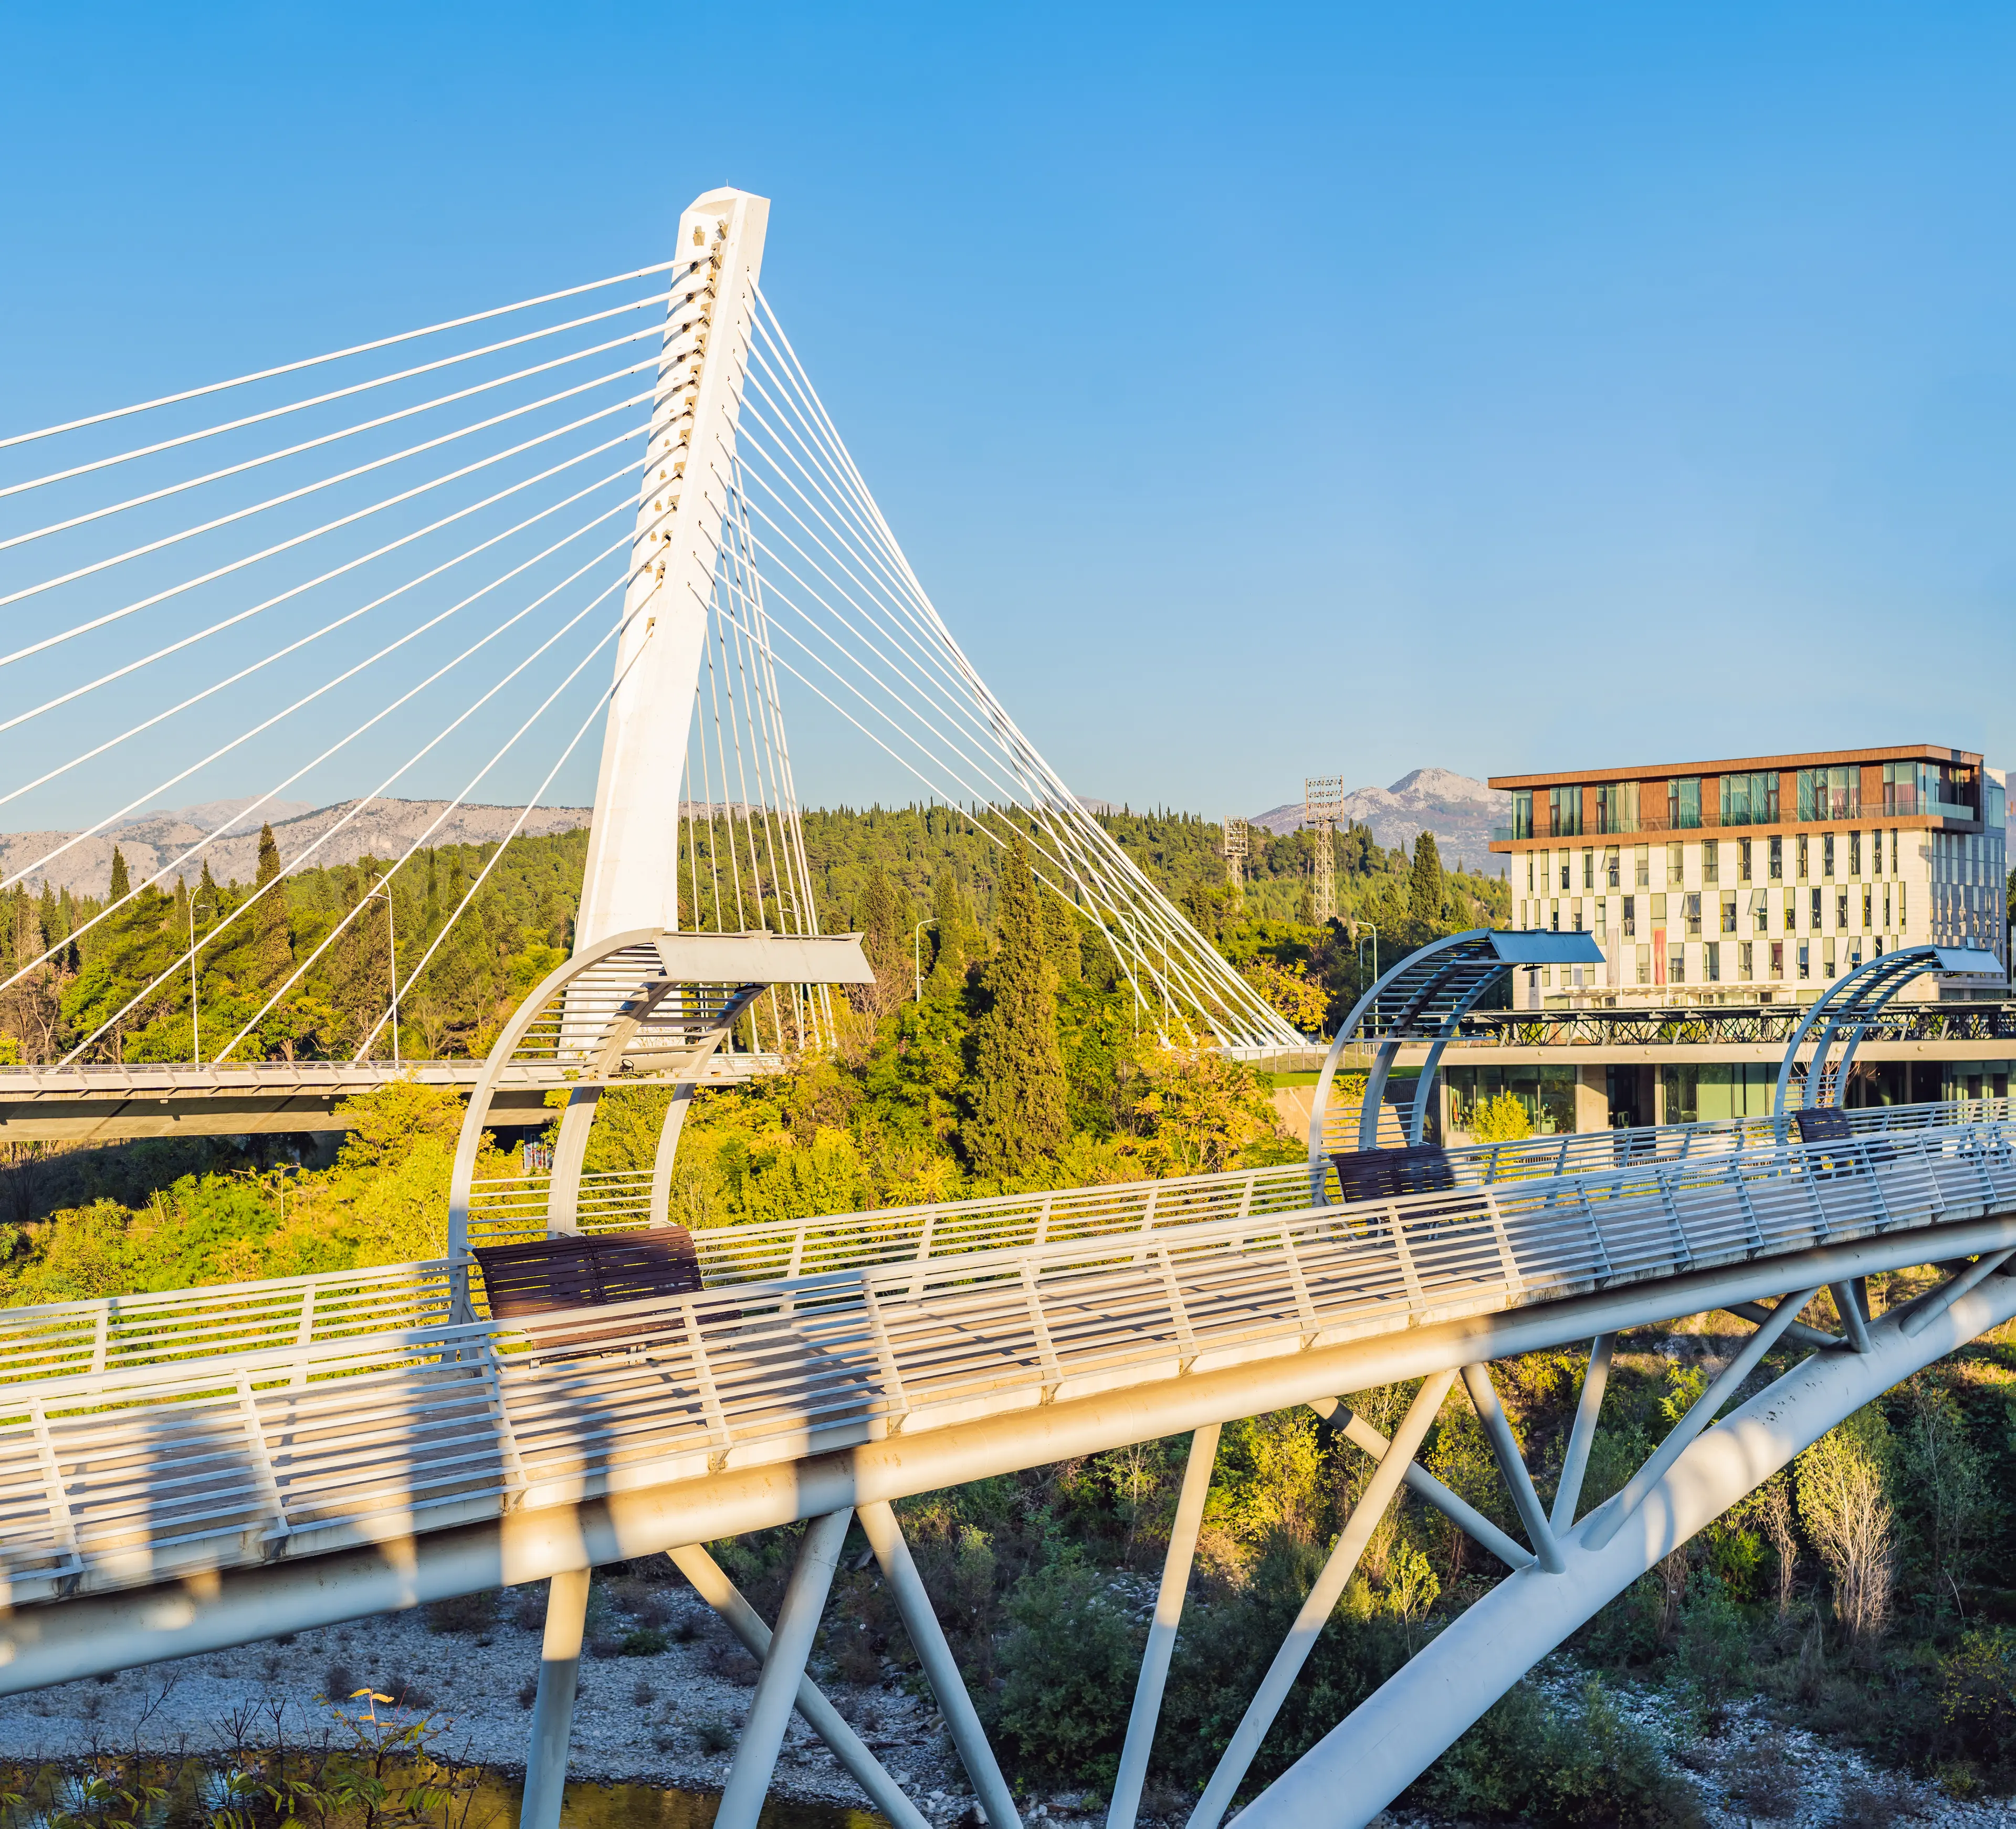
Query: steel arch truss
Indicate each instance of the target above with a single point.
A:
(1852, 1005)
(1575, 1565)
(1425, 999)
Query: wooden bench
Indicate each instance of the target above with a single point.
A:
(588, 1270)
(1380, 1175)
(1822, 1124)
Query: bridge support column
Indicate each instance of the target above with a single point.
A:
(668, 1145)
(563, 1191)
(927, 1639)
(1162, 1634)
(783, 1671)
(710, 1581)
(552, 1708)
(1348, 1776)
(1294, 1651)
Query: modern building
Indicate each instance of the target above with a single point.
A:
(1758, 879)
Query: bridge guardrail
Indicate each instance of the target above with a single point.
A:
(126, 1331)
(136, 1474)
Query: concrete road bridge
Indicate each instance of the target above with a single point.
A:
(183, 1472)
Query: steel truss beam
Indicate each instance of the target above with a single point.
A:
(58, 1642)
(1356, 1769)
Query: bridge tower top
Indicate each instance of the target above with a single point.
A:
(632, 879)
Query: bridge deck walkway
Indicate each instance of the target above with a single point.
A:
(128, 1476)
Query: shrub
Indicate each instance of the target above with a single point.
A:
(1559, 1768)
(339, 1683)
(714, 1737)
(646, 1641)
(528, 1692)
(470, 1614)
(1843, 1504)
(1978, 1697)
(1068, 1668)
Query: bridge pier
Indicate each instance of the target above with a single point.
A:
(710, 1581)
(784, 1672)
(552, 1708)
(928, 1640)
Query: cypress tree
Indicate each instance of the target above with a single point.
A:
(1018, 1115)
(122, 884)
(1425, 889)
(272, 955)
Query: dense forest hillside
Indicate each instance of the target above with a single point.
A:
(1867, 1593)
(300, 966)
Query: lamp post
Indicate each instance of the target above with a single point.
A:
(917, 957)
(384, 888)
(1375, 950)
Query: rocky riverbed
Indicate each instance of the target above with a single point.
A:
(669, 1719)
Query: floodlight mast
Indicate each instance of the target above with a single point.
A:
(631, 877)
(1323, 807)
(1236, 848)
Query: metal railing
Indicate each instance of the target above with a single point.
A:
(177, 1326)
(134, 1475)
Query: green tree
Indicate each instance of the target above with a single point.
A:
(272, 955)
(1018, 1115)
(1425, 887)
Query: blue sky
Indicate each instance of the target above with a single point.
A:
(1259, 391)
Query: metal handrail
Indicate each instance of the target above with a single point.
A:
(138, 1475)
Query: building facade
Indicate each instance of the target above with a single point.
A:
(1760, 880)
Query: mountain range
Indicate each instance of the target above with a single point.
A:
(1460, 812)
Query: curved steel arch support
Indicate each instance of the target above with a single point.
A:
(1389, 1740)
(1852, 1005)
(1425, 998)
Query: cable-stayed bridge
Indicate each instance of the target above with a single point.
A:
(660, 534)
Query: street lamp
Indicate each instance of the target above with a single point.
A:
(917, 957)
(392, 947)
(1375, 949)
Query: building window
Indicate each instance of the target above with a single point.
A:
(1792, 911)
(1868, 909)
(1612, 868)
(1617, 807)
(1630, 917)
(1710, 862)
(1854, 956)
(1530, 856)
(1854, 854)
(1826, 857)
(1750, 799)
(1675, 855)
(1813, 926)
(1684, 804)
(1642, 865)
(1522, 812)
(1676, 965)
(1805, 960)
(1743, 860)
(1728, 911)
(1567, 867)
(1827, 956)
(1602, 917)
(1711, 962)
(1746, 957)
(1886, 908)
(1803, 872)
(1777, 959)
(1589, 867)
(1760, 910)
(1564, 812)
(1644, 965)
(1829, 793)
(1691, 913)
(1841, 911)
(1576, 914)
(1777, 860)
(1554, 916)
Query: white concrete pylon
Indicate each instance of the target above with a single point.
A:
(553, 1707)
(631, 877)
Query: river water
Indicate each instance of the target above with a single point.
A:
(644, 1806)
